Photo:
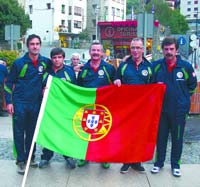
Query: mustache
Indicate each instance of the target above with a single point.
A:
(169, 55)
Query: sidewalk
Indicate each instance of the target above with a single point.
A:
(92, 175)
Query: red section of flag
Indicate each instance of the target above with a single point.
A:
(135, 111)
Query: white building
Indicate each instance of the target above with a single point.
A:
(57, 20)
(191, 10)
(22, 3)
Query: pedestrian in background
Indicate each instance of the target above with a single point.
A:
(23, 91)
(3, 75)
(135, 70)
(94, 74)
(65, 73)
(181, 81)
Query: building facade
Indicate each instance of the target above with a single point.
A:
(103, 10)
(57, 20)
(191, 10)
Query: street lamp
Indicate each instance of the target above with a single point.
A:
(97, 14)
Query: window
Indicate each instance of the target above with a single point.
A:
(113, 11)
(118, 12)
(69, 26)
(77, 24)
(63, 9)
(77, 11)
(70, 10)
(63, 22)
(30, 9)
(196, 9)
(31, 23)
(48, 5)
(188, 9)
(195, 2)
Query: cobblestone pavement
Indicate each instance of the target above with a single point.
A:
(191, 153)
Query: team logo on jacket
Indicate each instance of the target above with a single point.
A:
(100, 72)
(144, 72)
(40, 69)
(92, 122)
(179, 75)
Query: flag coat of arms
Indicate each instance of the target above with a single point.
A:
(108, 124)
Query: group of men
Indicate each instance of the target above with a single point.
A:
(27, 77)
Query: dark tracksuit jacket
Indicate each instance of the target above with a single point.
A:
(180, 85)
(23, 89)
(103, 76)
(129, 74)
(3, 75)
(66, 74)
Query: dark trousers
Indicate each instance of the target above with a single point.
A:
(48, 154)
(175, 125)
(24, 123)
(1, 97)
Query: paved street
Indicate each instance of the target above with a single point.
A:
(92, 175)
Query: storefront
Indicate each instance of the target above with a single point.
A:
(117, 35)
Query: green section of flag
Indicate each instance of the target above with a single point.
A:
(56, 127)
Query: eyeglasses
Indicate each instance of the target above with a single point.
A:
(136, 47)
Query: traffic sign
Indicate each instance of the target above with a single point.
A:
(181, 40)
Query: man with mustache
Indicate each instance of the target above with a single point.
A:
(181, 81)
(94, 74)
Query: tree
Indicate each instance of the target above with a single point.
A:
(84, 35)
(167, 17)
(12, 13)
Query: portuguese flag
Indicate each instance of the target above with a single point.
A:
(108, 124)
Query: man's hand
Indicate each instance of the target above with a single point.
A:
(118, 82)
(78, 67)
(10, 108)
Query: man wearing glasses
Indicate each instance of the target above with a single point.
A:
(134, 70)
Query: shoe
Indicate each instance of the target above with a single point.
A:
(21, 166)
(155, 169)
(43, 164)
(33, 164)
(137, 166)
(71, 163)
(82, 163)
(124, 168)
(105, 165)
(176, 172)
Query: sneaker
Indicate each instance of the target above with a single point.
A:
(137, 167)
(82, 163)
(105, 165)
(176, 172)
(43, 163)
(21, 166)
(71, 163)
(33, 164)
(155, 169)
(124, 168)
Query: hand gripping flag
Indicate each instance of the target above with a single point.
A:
(108, 124)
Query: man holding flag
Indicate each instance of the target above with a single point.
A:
(135, 70)
(65, 73)
(96, 73)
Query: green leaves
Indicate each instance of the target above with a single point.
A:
(12, 13)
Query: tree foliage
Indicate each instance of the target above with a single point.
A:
(84, 35)
(12, 13)
(166, 16)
